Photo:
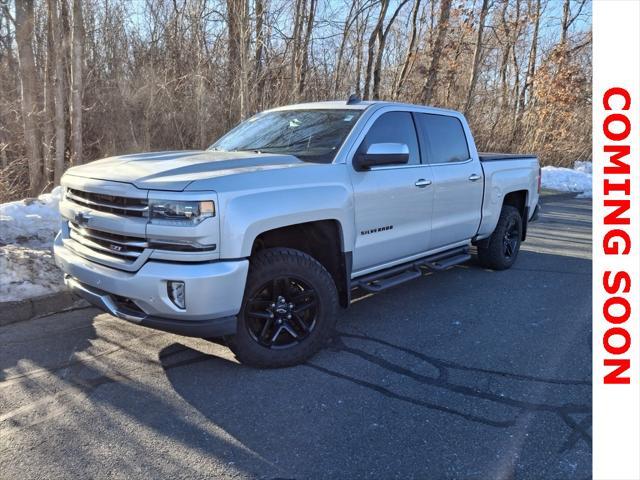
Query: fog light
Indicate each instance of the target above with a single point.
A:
(176, 293)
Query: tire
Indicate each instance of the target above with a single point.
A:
(289, 291)
(500, 250)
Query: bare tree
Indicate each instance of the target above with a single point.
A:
(29, 98)
(429, 85)
(477, 53)
(527, 88)
(77, 80)
(337, 74)
(304, 54)
(49, 102)
(260, 42)
(568, 19)
(237, 59)
(410, 53)
(382, 41)
(59, 89)
(373, 39)
(77, 57)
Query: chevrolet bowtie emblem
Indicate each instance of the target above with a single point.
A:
(82, 218)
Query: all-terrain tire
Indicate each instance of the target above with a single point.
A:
(291, 268)
(500, 250)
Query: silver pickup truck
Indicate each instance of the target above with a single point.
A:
(259, 238)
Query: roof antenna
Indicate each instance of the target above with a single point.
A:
(353, 98)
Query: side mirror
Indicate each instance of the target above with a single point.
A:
(381, 154)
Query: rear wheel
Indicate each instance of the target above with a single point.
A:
(288, 311)
(500, 250)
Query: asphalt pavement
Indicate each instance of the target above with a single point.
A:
(463, 374)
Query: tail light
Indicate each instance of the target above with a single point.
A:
(539, 180)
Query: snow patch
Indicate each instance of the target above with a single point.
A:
(27, 230)
(32, 221)
(27, 272)
(577, 179)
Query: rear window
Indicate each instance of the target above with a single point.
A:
(444, 136)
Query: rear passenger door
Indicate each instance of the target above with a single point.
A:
(458, 184)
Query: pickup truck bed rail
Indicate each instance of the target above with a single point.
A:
(497, 157)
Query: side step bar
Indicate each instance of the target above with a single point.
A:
(391, 277)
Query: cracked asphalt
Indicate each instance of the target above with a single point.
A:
(463, 374)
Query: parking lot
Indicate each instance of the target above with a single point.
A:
(463, 374)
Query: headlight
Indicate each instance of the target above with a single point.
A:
(179, 213)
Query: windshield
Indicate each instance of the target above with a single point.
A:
(310, 135)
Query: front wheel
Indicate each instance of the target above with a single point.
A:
(500, 250)
(288, 311)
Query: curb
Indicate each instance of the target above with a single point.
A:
(22, 310)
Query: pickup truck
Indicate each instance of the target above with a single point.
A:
(260, 238)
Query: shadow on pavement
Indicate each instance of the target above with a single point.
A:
(498, 376)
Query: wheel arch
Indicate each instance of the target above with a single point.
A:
(321, 239)
(518, 199)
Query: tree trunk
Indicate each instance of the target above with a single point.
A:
(298, 22)
(59, 97)
(564, 26)
(382, 41)
(49, 107)
(410, 50)
(477, 54)
(259, 81)
(531, 68)
(361, 26)
(236, 60)
(77, 57)
(28, 91)
(304, 63)
(428, 88)
(376, 35)
(343, 42)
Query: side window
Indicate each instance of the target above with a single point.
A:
(445, 137)
(394, 127)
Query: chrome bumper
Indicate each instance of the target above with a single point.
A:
(213, 292)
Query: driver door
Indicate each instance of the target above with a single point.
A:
(393, 203)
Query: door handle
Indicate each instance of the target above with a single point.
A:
(474, 177)
(422, 183)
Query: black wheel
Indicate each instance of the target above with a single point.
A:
(501, 249)
(288, 310)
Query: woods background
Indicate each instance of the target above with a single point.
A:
(81, 80)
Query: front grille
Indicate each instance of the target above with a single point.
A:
(131, 207)
(104, 243)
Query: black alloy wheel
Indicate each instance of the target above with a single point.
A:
(500, 250)
(511, 238)
(282, 312)
(288, 311)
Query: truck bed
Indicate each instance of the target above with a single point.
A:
(497, 157)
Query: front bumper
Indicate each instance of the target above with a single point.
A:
(213, 292)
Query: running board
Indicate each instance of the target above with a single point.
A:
(448, 262)
(391, 277)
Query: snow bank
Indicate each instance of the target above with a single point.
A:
(27, 272)
(576, 179)
(33, 221)
(27, 230)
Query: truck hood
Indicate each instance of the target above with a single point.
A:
(177, 169)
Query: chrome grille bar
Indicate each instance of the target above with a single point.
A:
(107, 203)
(87, 242)
(107, 237)
(115, 246)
